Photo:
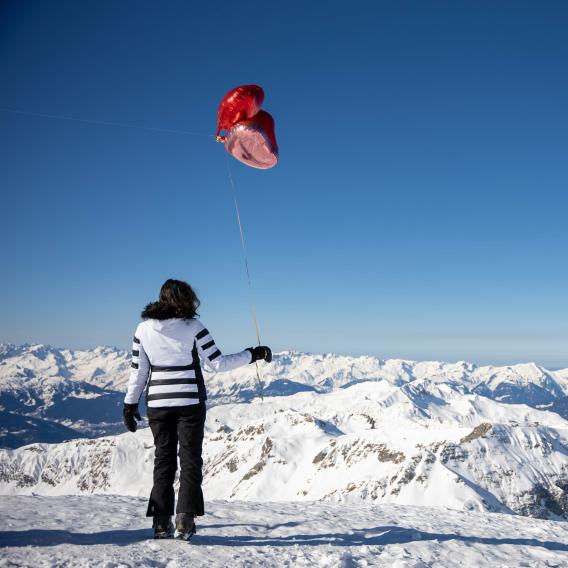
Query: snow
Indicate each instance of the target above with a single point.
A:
(83, 390)
(111, 531)
(421, 443)
(348, 461)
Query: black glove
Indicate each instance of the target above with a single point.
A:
(129, 416)
(259, 353)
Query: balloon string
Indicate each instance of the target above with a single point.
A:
(104, 122)
(247, 269)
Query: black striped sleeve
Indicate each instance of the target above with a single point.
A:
(214, 355)
(202, 333)
(207, 345)
(134, 365)
(136, 340)
(135, 353)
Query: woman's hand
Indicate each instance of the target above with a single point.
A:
(130, 415)
(260, 353)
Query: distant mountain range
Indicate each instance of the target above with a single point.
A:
(336, 428)
(52, 395)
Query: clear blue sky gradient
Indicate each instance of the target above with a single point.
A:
(419, 209)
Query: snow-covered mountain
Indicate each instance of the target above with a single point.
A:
(334, 428)
(424, 441)
(51, 395)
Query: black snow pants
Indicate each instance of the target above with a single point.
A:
(183, 424)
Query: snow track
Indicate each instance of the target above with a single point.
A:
(110, 531)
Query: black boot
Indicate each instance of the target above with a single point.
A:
(163, 527)
(185, 526)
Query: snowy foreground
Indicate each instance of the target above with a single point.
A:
(105, 531)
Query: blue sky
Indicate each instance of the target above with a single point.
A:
(419, 208)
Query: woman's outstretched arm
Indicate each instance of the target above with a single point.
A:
(212, 357)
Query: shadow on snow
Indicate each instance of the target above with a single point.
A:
(377, 536)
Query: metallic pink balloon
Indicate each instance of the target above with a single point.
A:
(249, 143)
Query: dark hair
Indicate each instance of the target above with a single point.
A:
(177, 300)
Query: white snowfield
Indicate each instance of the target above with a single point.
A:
(111, 531)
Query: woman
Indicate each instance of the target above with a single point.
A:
(168, 347)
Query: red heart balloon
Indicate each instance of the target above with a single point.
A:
(239, 104)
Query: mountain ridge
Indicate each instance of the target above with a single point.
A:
(83, 390)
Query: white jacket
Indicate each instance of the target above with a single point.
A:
(166, 357)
